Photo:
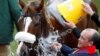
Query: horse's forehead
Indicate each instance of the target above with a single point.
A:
(35, 3)
(27, 22)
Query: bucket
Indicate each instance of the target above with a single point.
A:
(71, 10)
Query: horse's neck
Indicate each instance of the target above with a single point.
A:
(52, 11)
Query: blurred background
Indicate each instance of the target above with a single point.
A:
(97, 3)
(14, 43)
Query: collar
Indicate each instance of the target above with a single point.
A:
(89, 49)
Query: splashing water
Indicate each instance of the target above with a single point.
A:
(45, 45)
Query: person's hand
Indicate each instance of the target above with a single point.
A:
(56, 46)
(70, 24)
(87, 9)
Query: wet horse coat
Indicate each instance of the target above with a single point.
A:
(40, 27)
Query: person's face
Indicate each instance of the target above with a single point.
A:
(84, 40)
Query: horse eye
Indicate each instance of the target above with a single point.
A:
(37, 24)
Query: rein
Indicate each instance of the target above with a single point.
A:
(34, 14)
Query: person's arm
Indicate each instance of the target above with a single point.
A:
(95, 18)
(66, 50)
(62, 47)
(15, 10)
(75, 30)
(93, 15)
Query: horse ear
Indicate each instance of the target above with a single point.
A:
(41, 4)
(22, 4)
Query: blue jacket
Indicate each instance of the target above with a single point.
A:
(88, 51)
(67, 51)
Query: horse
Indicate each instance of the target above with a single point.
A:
(33, 24)
(43, 25)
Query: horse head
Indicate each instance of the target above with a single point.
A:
(35, 11)
(32, 23)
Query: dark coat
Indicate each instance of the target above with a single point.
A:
(67, 51)
(95, 18)
(9, 13)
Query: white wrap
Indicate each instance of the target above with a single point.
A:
(25, 37)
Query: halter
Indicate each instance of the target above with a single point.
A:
(34, 14)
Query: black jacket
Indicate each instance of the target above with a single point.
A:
(95, 18)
